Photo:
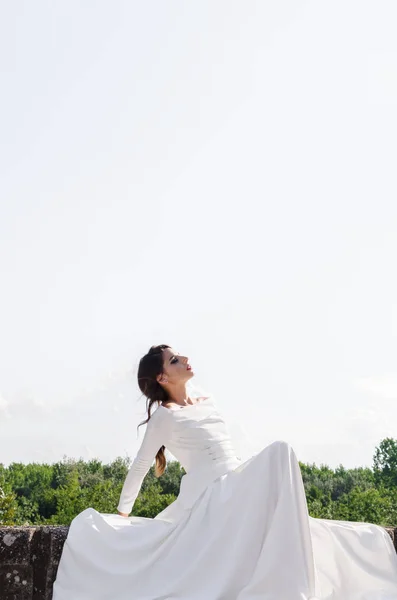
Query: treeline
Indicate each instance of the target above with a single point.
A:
(53, 494)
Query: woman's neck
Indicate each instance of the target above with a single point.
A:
(179, 396)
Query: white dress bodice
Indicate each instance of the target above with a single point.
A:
(197, 436)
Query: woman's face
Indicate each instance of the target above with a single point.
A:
(176, 368)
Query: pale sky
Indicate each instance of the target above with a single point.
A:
(216, 176)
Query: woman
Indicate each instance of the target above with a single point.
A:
(237, 531)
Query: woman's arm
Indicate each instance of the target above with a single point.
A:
(155, 437)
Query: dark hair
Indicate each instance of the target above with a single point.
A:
(150, 366)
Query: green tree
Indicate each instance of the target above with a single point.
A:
(151, 502)
(8, 502)
(34, 494)
(385, 463)
(368, 506)
(170, 481)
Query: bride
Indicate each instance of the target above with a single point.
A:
(237, 530)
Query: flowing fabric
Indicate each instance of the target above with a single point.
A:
(237, 531)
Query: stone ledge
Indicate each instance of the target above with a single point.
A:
(29, 559)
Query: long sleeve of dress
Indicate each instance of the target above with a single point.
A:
(155, 436)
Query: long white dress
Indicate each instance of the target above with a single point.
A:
(237, 531)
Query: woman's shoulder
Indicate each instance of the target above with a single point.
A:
(158, 416)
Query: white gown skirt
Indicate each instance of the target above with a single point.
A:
(248, 536)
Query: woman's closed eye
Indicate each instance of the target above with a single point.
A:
(174, 360)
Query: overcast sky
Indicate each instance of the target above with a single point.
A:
(216, 176)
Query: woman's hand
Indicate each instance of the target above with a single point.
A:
(122, 514)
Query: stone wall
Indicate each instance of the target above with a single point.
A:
(29, 558)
